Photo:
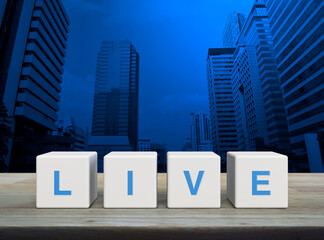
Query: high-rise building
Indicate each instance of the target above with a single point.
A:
(248, 100)
(298, 40)
(256, 86)
(232, 29)
(200, 132)
(115, 109)
(221, 105)
(32, 50)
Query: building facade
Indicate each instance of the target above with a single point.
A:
(232, 29)
(248, 100)
(200, 133)
(221, 104)
(32, 51)
(257, 88)
(115, 109)
(298, 40)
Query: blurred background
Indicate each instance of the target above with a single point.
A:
(121, 75)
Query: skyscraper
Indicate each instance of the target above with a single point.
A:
(297, 29)
(200, 132)
(32, 50)
(221, 105)
(115, 110)
(232, 29)
(256, 85)
(248, 99)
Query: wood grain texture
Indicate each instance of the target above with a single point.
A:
(305, 212)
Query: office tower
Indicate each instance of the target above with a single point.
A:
(116, 91)
(221, 105)
(32, 51)
(200, 132)
(248, 99)
(297, 29)
(232, 29)
(115, 109)
(257, 94)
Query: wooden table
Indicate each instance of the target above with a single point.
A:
(303, 219)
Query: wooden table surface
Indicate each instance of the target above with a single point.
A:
(20, 218)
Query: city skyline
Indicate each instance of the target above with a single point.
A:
(266, 87)
(167, 66)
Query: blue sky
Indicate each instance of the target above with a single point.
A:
(172, 38)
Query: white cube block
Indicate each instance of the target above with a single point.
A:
(193, 180)
(130, 180)
(66, 179)
(257, 179)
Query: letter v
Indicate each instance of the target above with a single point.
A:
(193, 189)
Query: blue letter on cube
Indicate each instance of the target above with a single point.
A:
(57, 190)
(193, 189)
(256, 182)
(130, 182)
